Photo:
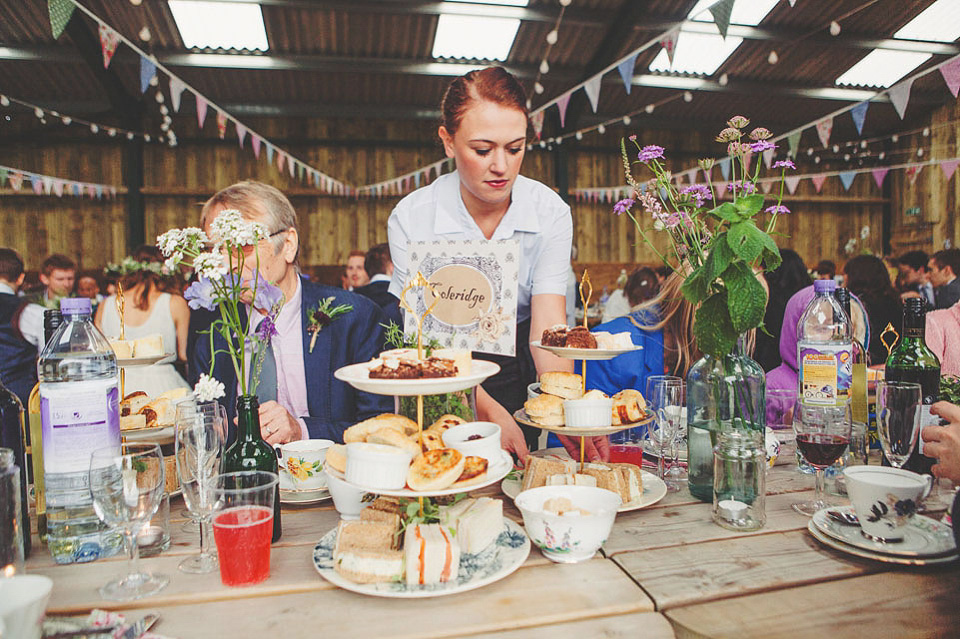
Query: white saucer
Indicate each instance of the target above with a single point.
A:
(827, 540)
(923, 537)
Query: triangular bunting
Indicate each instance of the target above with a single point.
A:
(768, 158)
(766, 185)
(290, 166)
(241, 133)
(36, 184)
(792, 181)
(793, 143)
(255, 143)
(221, 124)
(280, 158)
(626, 71)
(91, 192)
(58, 188)
(818, 181)
(47, 184)
(16, 180)
(98, 190)
(824, 128)
(562, 103)
(879, 174)
(846, 177)
(859, 114)
(721, 15)
(60, 14)
(913, 172)
(536, 120)
(951, 75)
(948, 166)
(724, 165)
(201, 110)
(147, 70)
(109, 39)
(900, 96)
(669, 43)
(592, 89)
(269, 152)
(176, 89)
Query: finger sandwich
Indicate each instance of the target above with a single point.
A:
(432, 556)
(364, 552)
(476, 522)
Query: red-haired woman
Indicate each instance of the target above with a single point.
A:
(484, 128)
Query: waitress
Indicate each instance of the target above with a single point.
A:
(484, 128)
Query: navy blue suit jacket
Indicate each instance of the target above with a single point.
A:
(351, 338)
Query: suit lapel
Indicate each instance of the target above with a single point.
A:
(312, 362)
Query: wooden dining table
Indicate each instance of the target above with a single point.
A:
(665, 571)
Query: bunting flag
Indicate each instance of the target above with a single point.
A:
(824, 128)
(948, 166)
(721, 15)
(766, 185)
(768, 158)
(913, 172)
(669, 44)
(818, 181)
(109, 39)
(241, 133)
(592, 89)
(792, 181)
(221, 123)
(147, 71)
(201, 109)
(951, 75)
(900, 96)
(846, 177)
(793, 2)
(176, 90)
(290, 166)
(562, 103)
(537, 121)
(60, 13)
(859, 114)
(37, 184)
(724, 165)
(255, 143)
(269, 152)
(793, 143)
(58, 188)
(626, 71)
(16, 180)
(280, 156)
(879, 174)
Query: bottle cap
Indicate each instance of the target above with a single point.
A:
(824, 286)
(913, 305)
(75, 305)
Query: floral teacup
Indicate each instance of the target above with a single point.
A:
(886, 499)
(303, 462)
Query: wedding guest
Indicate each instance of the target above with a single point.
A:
(784, 281)
(379, 266)
(943, 338)
(19, 320)
(825, 270)
(868, 279)
(306, 401)
(57, 273)
(944, 267)
(357, 276)
(87, 286)
(913, 276)
(484, 128)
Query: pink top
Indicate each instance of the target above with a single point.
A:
(943, 338)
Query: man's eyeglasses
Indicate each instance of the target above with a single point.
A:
(248, 249)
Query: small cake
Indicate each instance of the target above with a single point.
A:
(149, 346)
(462, 358)
(546, 410)
(122, 348)
(580, 337)
(554, 336)
(613, 341)
(388, 368)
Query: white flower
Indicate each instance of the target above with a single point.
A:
(864, 232)
(850, 246)
(210, 266)
(229, 227)
(171, 262)
(208, 388)
(169, 242)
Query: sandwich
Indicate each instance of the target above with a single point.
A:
(562, 384)
(364, 552)
(149, 346)
(546, 410)
(436, 469)
(538, 469)
(476, 522)
(431, 554)
(572, 479)
(122, 348)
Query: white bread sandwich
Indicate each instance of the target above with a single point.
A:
(364, 552)
(562, 384)
(476, 522)
(575, 479)
(538, 469)
(546, 410)
(122, 348)
(431, 554)
(633, 481)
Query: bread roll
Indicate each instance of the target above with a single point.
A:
(359, 432)
(445, 422)
(562, 384)
(436, 469)
(392, 437)
(337, 458)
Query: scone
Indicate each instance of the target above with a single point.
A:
(562, 384)
(546, 410)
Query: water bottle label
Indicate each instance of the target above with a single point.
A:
(78, 418)
(825, 373)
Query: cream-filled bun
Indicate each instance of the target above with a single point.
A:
(562, 384)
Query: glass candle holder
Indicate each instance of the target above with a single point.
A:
(739, 480)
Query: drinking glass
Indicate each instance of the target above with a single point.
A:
(666, 400)
(199, 448)
(676, 472)
(243, 525)
(899, 409)
(823, 433)
(126, 484)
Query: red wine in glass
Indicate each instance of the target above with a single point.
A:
(821, 449)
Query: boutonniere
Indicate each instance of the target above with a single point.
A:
(322, 315)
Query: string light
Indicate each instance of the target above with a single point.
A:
(626, 120)
(773, 58)
(552, 37)
(723, 79)
(834, 28)
(544, 67)
(687, 96)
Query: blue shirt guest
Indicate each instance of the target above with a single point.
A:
(305, 400)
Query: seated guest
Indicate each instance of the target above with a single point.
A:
(825, 270)
(944, 267)
(379, 267)
(867, 278)
(943, 338)
(306, 401)
(357, 275)
(913, 276)
(87, 286)
(57, 273)
(19, 339)
(783, 282)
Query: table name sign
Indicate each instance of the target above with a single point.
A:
(475, 284)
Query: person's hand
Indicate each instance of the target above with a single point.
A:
(511, 439)
(943, 442)
(277, 426)
(595, 448)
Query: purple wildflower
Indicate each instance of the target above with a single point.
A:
(200, 294)
(266, 329)
(672, 221)
(762, 145)
(633, 138)
(650, 152)
(268, 295)
(623, 206)
(743, 186)
(650, 203)
(784, 164)
(699, 193)
(779, 208)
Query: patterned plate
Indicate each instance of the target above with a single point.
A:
(923, 537)
(653, 490)
(495, 562)
(867, 554)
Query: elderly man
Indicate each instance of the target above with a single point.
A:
(305, 401)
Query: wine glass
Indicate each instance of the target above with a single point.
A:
(199, 448)
(899, 407)
(823, 433)
(676, 472)
(126, 484)
(666, 400)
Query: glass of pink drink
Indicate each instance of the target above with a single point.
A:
(243, 525)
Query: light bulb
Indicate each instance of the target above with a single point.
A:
(4, 101)
(836, 148)
(919, 153)
(882, 155)
(145, 34)
(723, 79)
(649, 108)
(112, 132)
(863, 144)
(159, 97)
(687, 96)
(66, 119)
(544, 67)
(552, 37)
(834, 28)
(626, 120)
(773, 58)
(94, 128)
(154, 81)
(537, 88)
(38, 112)
(601, 129)
(894, 138)
(579, 135)
(816, 160)
(129, 135)
(926, 131)
(846, 156)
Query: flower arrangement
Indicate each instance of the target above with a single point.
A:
(719, 247)
(130, 265)
(219, 264)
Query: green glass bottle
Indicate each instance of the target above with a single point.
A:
(250, 452)
(911, 361)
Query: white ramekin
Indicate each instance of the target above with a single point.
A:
(377, 466)
(488, 446)
(588, 413)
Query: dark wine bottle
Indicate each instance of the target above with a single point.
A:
(911, 361)
(858, 385)
(250, 452)
(11, 436)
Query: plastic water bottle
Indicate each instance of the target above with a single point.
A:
(79, 406)
(824, 350)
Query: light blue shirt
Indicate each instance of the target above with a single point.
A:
(537, 217)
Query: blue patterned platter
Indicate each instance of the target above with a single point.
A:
(494, 563)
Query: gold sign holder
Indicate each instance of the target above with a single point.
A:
(120, 303)
(888, 331)
(586, 291)
(419, 281)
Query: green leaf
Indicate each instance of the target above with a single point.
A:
(746, 299)
(719, 258)
(713, 328)
(770, 256)
(696, 286)
(728, 212)
(746, 240)
(749, 205)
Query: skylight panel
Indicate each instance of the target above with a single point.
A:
(939, 22)
(747, 13)
(219, 25)
(700, 53)
(882, 68)
(474, 37)
(508, 3)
